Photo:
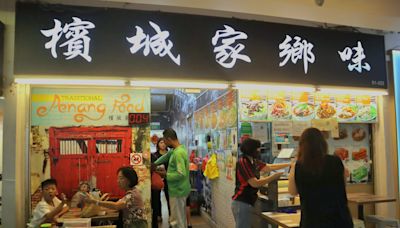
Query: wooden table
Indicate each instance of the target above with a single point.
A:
(365, 198)
(282, 219)
(110, 215)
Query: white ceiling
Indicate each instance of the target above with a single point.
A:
(369, 14)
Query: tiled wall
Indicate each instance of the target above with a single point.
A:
(222, 192)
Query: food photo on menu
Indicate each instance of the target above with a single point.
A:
(353, 148)
(303, 106)
(346, 108)
(253, 106)
(279, 106)
(353, 113)
(367, 108)
(326, 110)
(326, 106)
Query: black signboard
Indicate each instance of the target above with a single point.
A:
(81, 41)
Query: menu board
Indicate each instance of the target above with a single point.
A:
(253, 106)
(353, 148)
(303, 106)
(279, 106)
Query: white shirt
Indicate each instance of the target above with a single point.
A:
(41, 209)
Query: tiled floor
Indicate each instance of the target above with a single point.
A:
(196, 220)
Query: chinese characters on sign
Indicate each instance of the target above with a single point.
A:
(300, 49)
(76, 35)
(158, 43)
(227, 52)
(356, 58)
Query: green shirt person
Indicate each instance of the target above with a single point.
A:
(177, 177)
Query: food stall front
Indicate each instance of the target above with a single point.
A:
(286, 78)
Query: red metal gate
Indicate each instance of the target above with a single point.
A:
(89, 154)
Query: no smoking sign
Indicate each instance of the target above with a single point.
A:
(136, 159)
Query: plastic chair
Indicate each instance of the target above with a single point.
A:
(381, 222)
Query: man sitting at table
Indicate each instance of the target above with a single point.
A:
(50, 207)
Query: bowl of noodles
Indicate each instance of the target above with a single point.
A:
(303, 111)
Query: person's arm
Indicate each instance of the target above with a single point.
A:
(272, 167)
(292, 182)
(181, 172)
(346, 174)
(49, 217)
(256, 183)
(163, 159)
(64, 210)
(119, 205)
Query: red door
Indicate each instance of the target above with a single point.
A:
(89, 154)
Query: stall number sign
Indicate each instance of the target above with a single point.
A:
(138, 118)
(136, 159)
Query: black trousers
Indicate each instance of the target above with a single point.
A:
(156, 207)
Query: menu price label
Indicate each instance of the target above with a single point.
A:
(138, 118)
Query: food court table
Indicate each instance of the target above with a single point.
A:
(282, 219)
(110, 215)
(365, 198)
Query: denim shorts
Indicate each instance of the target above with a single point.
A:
(243, 214)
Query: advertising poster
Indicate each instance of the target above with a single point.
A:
(327, 125)
(299, 127)
(230, 110)
(282, 131)
(85, 133)
(260, 132)
(230, 165)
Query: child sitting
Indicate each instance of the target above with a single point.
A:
(50, 207)
(78, 199)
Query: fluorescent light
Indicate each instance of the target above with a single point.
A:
(179, 84)
(192, 90)
(273, 87)
(354, 91)
(57, 81)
